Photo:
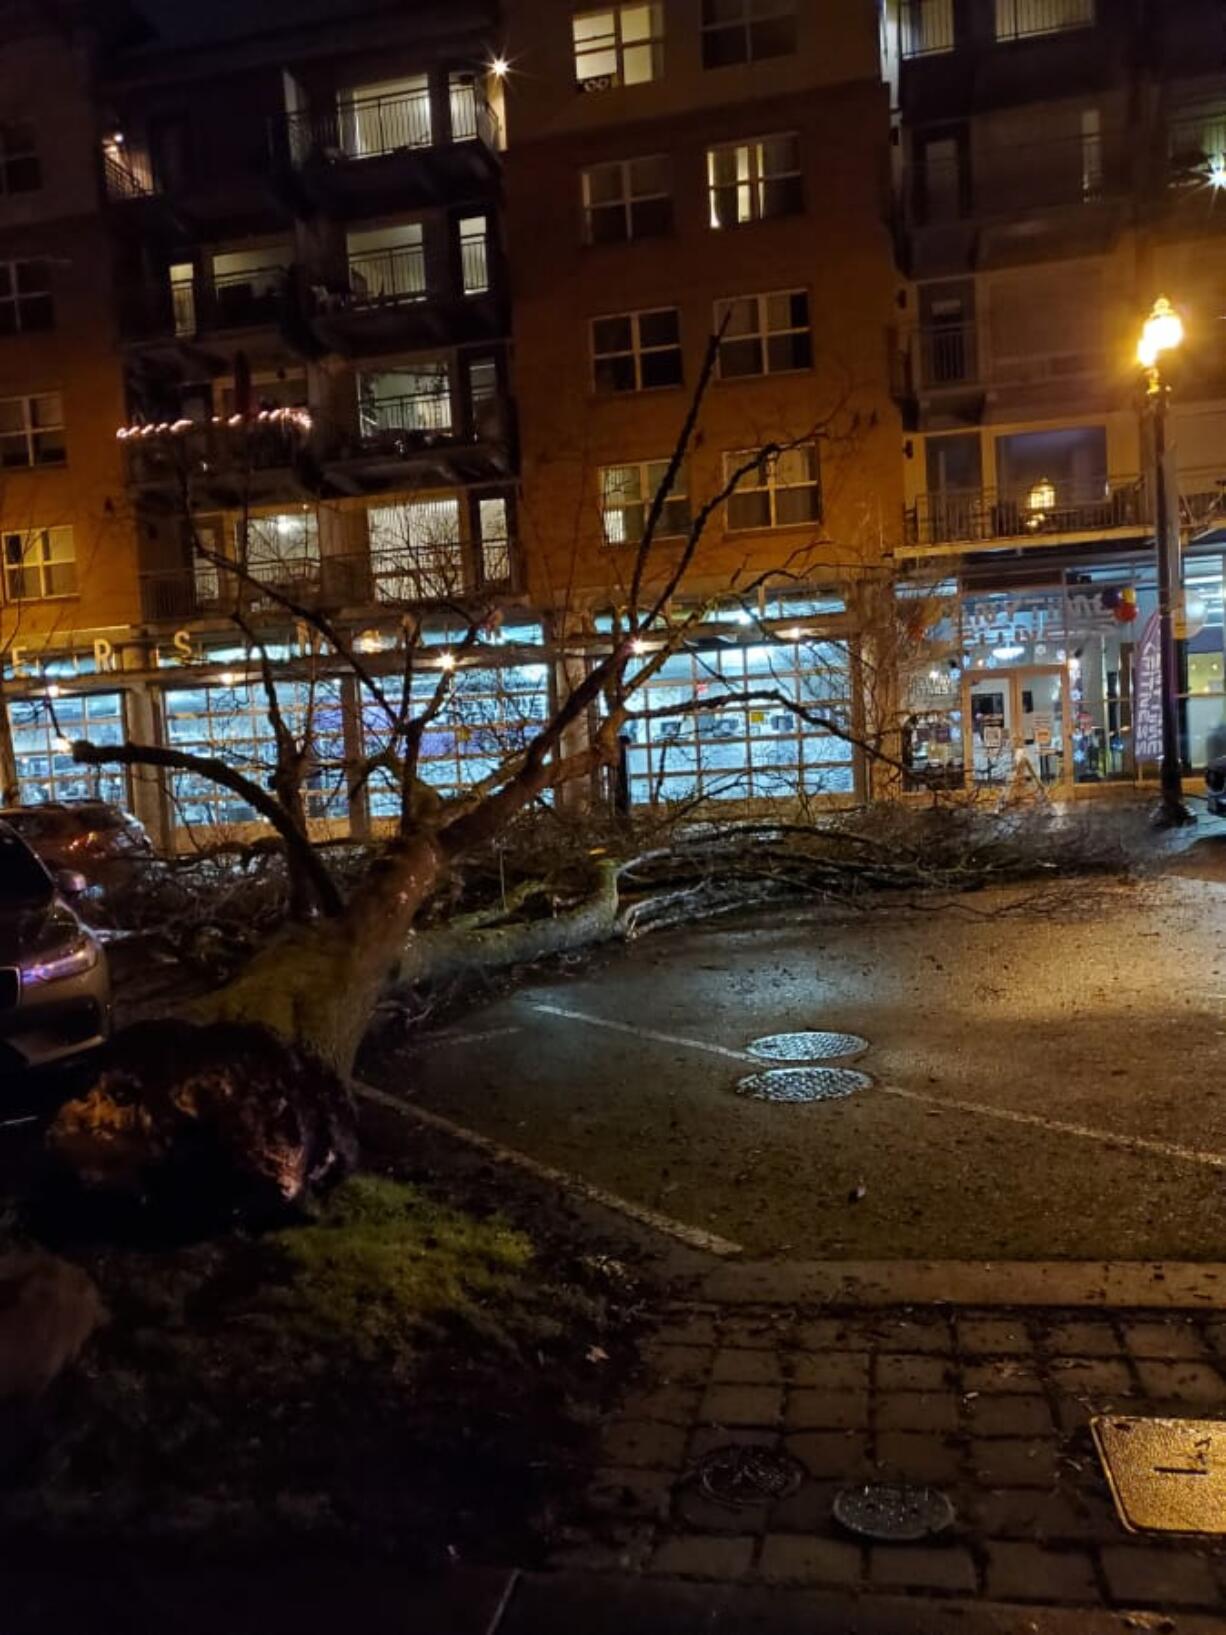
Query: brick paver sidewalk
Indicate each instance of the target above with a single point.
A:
(992, 1407)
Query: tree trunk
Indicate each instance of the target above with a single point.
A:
(317, 985)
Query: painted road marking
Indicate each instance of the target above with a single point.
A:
(438, 1039)
(650, 1033)
(1134, 1143)
(693, 1236)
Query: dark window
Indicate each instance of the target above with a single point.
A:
(637, 351)
(20, 171)
(736, 31)
(25, 297)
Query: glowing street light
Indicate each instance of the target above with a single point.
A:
(1162, 334)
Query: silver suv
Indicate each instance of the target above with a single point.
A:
(55, 992)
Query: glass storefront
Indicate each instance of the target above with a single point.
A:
(755, 750)
(44, 729)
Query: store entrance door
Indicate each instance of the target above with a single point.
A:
(1017, 726)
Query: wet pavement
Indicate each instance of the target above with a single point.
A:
(1044, 1066)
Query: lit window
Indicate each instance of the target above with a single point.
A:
(25, 297)
(927, 27)
(495, 540)
(628, 199)
(20, 171)
(474, 255)
(626, 495)
(32, 430)
(416, 553)
(40, 563)
(387, 264)
(619, 45)
(764, 334)
(385, 117)
(395, 402)
(282, 550)
(43, 730)
(736, 31)
(750, 181)
(1019, 19)
(783, 492)
(637, 351)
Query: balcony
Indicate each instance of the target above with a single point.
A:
(220, 463)
(954, 360)
(998, 180)
(985, 517)
(382, 576)
(409, 299)
(1196, 151)
(126, 175)
(252, 299)
(420, 440)
(414, 148)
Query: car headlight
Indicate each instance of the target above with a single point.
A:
(72, 960)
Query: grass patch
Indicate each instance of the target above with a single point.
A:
(383, 1255)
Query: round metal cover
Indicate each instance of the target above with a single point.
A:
(803, 1084)
(808, 1047)
(896, 1515)
(742, 1476)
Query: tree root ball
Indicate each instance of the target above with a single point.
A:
(206, 1124)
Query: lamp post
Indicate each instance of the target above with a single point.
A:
(1163, 333)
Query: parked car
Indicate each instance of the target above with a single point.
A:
(55, 991)
(1215, 784)
(92, 837)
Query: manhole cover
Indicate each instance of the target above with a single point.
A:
(803, 1084)
(897, 1515)
(1166, 1475)
(741, 1476)
(807, 1047)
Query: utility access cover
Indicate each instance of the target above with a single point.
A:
(740, 1477)
(808, 1047)
(1166, 1475)
(803, 1084)
(895, 1515)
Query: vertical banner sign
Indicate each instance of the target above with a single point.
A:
(1147, 708)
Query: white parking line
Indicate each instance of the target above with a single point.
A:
(1084, 1132)
(650, 1033)
(437, 1040)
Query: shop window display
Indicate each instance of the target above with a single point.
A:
(44, 730)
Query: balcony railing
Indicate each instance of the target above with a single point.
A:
(1025, 19)
(128, 177)
(393, 424)
(981, 516)
(415, 571)
(241, 300)
(1001, 181)
(926, 27)
(388, 276)
(1196, 148)
(946, 358)
(376, 127)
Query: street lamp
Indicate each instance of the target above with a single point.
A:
(1161, 334)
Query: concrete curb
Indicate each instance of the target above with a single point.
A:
(1135, 1285)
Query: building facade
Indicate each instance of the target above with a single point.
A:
(1060, 163)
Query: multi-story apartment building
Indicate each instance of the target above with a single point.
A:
(676, 170)
(260, 279)
(1060, 164)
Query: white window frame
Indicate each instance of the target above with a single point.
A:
(752, 13)
(15, 297)
(762, 333)
(627, 200)
(39, 547)
(637, 351)
(1032, 19)
(770, 484)
(30, 429)
(752, 179)
(15, 154)
(615, 41)
(675, 520)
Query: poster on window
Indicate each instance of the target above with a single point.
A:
(1147, 714)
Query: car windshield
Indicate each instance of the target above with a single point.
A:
(22, 877)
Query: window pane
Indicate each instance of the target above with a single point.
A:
(749, 509)
(649, 218)
(33, 276)
(607, 224)
(660, 328)
(12, 414)
(740, 358)
(795, 465)
(636, 22)
(615, 375)
(604, 183)
(49, 447)
(47, 410)
(650, 175)
(795, 505)
(611, 334)
(786, 352)
(780, 153)
(662, 368)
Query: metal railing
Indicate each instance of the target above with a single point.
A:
(393, 423)
(215, 447)
(944, 358)
(947, 357)
(234, 301)
(1025, 19)
(374, 127)
(1000, 180)
(1196, 148)
(926, 27)
(982, 515)
(128, 178)
(474, 265)
(383, 276)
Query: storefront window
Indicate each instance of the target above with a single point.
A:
(757, 749)
(44, 730)
(490, 713)
(1203, 657)
(231, 722)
